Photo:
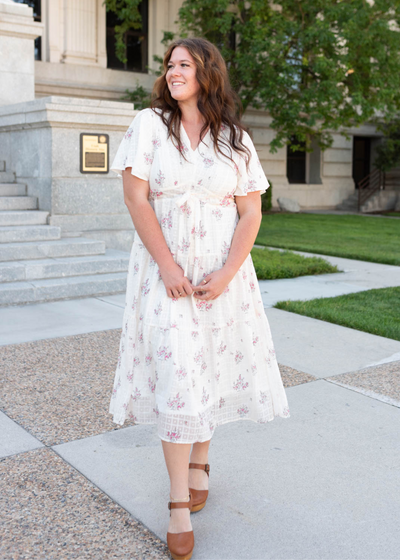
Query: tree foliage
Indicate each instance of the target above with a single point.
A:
(315, 66)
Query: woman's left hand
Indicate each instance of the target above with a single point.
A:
(212, 285)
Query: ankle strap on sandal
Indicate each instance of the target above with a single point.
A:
(205, 467)
(172, 505)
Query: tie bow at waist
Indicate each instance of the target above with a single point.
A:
(191, 232)
(188, 197)
(196, 199)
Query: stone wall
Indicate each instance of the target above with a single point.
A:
(335, 178)
(40, 142)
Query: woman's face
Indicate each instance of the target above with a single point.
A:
(181, 75)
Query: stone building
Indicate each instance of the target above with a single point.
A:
(60, 78)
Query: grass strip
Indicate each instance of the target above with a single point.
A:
(270, 264)
(362, 238)
(373, 311)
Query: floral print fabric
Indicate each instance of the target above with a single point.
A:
(185, 364)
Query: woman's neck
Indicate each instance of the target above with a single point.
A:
(190, 113)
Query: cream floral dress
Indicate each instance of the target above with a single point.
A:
(185, 364)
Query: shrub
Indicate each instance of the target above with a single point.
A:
(266, 199)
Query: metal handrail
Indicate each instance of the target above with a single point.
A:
(369, 185)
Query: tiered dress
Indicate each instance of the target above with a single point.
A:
(185, 364)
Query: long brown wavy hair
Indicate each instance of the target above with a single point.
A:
(217, 101)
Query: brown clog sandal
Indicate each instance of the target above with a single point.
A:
(180, 545)
(199, 497)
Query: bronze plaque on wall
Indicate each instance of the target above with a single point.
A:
(94, 153)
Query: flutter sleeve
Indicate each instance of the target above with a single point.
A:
(137, 149)
(254, 178)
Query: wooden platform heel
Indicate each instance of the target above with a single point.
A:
(199, 497)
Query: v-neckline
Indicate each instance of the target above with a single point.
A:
(190, 145)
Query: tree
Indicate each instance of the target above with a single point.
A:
(315, 66)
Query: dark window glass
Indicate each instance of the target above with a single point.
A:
(361, 158)
(136, 43)
(296, 164)
(37, 16)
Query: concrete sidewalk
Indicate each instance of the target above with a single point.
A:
(321, 485)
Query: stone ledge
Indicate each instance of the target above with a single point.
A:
(54, 289)
(87, 222)
(47, 249)
(16, 20)
(67, 112)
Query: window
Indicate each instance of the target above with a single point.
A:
(361, 158)
(136, 43)
(37, 16)
(296, 163)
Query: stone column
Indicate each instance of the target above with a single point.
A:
(55, 31)
(80, 32)
(76, 32)
(162, 17)
(17, 60)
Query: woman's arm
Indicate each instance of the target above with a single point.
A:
(249, 209)
(136, 197)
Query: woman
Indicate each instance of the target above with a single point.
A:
(196, 349)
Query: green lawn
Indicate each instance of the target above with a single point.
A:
(356, 237)
(373, 311)
(270, 264)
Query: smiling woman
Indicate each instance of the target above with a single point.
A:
(196, 348)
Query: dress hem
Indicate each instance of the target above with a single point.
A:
(283, 415)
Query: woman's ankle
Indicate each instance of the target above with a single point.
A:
(199, 461)
(186, 499)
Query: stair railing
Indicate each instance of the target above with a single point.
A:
(373, 182)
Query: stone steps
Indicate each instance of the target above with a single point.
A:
(36, 291)
(349, 203)
(13, 234)
(7, 177)
(380, 201)
(23, 218)
(38, 265)
(12, 189)
(26, 270)
(65, 247)
(18, 202)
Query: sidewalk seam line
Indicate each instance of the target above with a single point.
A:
(361, 392)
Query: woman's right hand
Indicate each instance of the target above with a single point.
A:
(175, 282)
